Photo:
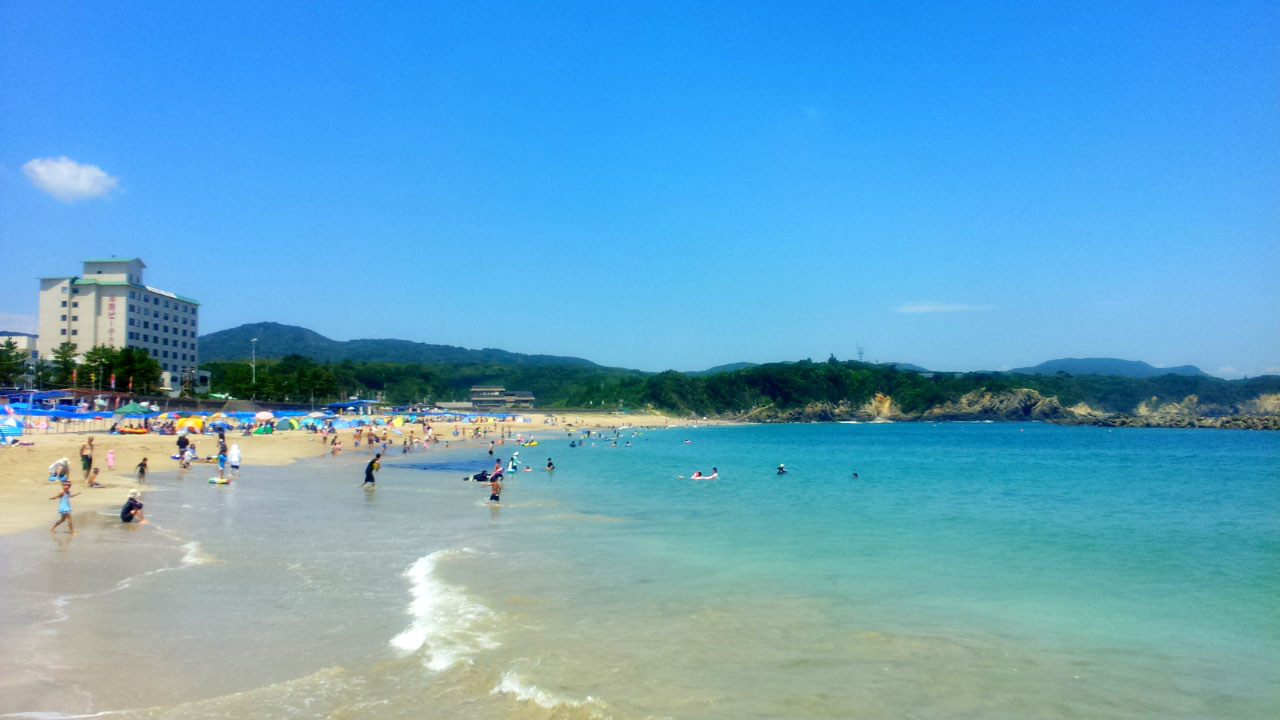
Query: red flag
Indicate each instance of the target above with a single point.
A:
(73, 376)
(130, 383)
(113, 381)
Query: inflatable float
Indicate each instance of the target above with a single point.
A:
(220, 481)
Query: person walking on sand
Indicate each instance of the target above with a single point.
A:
(93, 479)
(142, 470)
(64, 507)
(111, 459)
(86, 456)
(370, 469)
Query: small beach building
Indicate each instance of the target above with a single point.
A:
(497, 397)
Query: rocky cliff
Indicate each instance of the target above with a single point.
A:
(1020, 404)
(1262, 413)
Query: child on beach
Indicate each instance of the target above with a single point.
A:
(222, 463)
(132, 510)
(495, 488)
(142, 470)
(93, 479)
(233, 459)
(64, 507)
(111, 459)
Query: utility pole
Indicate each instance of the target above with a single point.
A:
(253, 364)
(859, 352)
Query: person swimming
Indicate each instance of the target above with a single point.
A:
(782, 469)
(697, 475)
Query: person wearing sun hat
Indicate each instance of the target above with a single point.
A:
(132, 510)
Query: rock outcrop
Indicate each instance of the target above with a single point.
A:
(1021, 404)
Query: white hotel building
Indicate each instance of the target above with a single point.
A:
(109, 305)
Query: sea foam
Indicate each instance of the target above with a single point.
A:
(512, 684)
(446, 622)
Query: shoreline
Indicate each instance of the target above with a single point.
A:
(25, 489)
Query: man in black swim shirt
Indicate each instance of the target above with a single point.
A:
(370, 469)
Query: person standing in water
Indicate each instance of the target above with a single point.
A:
(495, 488)
(370, 469)
(142, 470)
(64, 508)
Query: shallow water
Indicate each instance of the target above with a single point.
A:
(975, 570)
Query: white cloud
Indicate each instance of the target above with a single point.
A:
(931, 307)
(14, 322)
(68, 180)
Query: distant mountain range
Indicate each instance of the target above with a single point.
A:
(276, 341)
(1107, 366)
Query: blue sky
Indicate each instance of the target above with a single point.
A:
(667, 185)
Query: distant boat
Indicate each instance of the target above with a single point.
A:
(849, 422)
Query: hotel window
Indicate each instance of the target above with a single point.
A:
(146, 325)
(64, 318)
(75, 291)
(75, 304)
(75, 318)
(64, 290)
(164, 341)
(154, 353)
(64, 303)
(75, 332)
(64, 331)
(164, 353)
(166, 304)
(145, 338)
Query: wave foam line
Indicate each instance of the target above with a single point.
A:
(445, 621)
(513, 684)
(193, 556)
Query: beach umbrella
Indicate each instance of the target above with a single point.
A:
(218, 416)
(315, 415)
(193, 423)
(264, 415)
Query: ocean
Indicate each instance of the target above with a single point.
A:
(969, 571)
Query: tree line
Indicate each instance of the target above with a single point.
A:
(131, 367)
(780, 385)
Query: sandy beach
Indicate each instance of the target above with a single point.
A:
(25, 489)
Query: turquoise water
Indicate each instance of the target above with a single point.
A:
(971, 570)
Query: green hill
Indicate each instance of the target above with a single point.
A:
(1107, 366)
(277, 341)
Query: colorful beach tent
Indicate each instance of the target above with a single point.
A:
(132, 409)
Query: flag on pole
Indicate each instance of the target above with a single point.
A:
(113, 381)
(130, 383)
(73, 376)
